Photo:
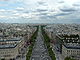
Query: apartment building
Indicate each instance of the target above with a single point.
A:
(71, 50)
(11, 48)
(71, 46)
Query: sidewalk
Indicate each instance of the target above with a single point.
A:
(58, 55)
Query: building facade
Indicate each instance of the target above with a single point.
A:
(71, 51)
(10, 49)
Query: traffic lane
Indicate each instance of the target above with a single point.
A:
(40, 47)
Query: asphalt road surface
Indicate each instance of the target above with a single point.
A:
(40, 51)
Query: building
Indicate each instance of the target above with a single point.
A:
(11, 48)
(71, 50)
(71, 46)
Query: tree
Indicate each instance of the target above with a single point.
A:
(68, 58)
(2, 59)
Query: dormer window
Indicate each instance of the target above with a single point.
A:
(73, 40)
(63, 40)
(68, 40)
(77, 40)
(77, 37)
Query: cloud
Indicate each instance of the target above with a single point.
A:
(68, 9)
(20, 8)
(61, 2)
(2, 10)
(76, 4)
(63, 14)
(3, 5)
(46, 17)
(51, 16)
(41, 10)
(4, 0)
(41, 14)
(2, 16)
(7, 17)
(42, 3)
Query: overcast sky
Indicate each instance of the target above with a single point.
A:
(40, 11)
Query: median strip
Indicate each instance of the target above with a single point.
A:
(47, 42)
(32, 40)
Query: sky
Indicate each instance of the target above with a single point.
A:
(40, 11)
